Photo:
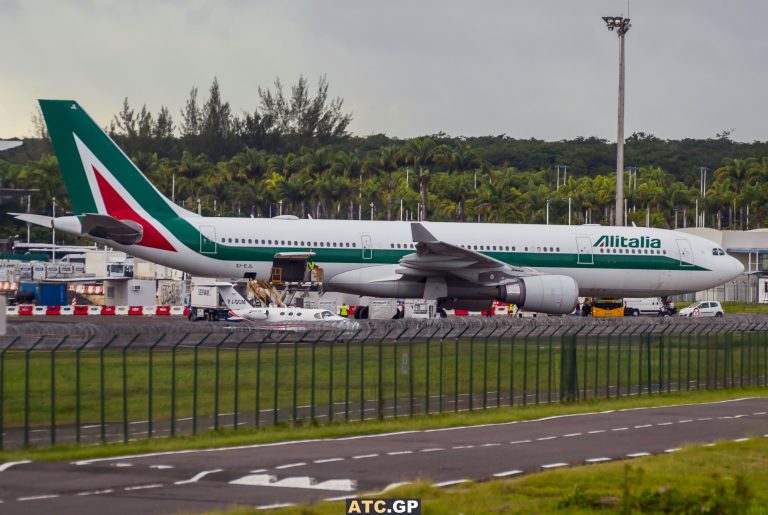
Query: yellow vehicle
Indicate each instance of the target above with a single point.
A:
(604, 307)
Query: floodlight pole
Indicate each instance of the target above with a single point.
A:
(621, 26)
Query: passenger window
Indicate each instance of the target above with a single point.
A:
(354, 244)
(223, 240)
(230, 240)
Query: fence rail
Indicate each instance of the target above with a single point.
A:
(94, 385)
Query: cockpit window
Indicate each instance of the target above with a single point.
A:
(718, 252)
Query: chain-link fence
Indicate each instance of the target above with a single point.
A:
(81, 383)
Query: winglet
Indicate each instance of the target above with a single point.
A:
(421, 235)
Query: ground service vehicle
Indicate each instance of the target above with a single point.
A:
(703, 308)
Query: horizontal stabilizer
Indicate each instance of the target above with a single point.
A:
(45, 221)
(125, 232)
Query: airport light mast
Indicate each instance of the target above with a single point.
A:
(621, 26)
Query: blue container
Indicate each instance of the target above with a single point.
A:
(52, 294)
(31, 287)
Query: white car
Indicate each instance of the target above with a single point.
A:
(704, 308)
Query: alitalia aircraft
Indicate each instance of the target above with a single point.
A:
(538, 267)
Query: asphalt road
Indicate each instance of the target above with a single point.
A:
(305, 471)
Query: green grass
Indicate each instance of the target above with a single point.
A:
(729, 477)
(299, 432)
(251, 379)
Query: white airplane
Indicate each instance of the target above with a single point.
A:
(241, 308)
(542, 268)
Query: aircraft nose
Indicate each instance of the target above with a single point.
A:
(735, 267)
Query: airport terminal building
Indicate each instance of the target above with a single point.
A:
(749, 247)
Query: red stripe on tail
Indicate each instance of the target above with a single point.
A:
(119, 208)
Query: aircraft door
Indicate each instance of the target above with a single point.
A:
(686, 253)
(207, 239)
(584, 250)
(367, 248)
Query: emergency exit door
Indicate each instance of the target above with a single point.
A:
(367, 248)
(207, 239)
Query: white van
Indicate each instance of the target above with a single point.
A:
(648, 306)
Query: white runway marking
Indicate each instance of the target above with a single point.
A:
(5, 466)
(396, 453)
(143, 487)
(197, 477)
(275, 506)
(515, 442)
(508, 473)
(569, 435)
(363, 456)
(328, 460)
(638, 454)
(596, 431)
(544, 438)
(554, 465)
(664, 424)
(96, 492)
(619, 429)
(674, 449)
(123, 465)
(643, 426)
(255, 480)
(432, 449)
(741, 440)
(597, 460)
(291, 465)
(451, 483)
(704, 418)
(685, 421)
(490, 445)
(37, 497)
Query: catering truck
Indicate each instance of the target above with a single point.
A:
(205, 302)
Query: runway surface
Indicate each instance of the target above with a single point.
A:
(306, 471)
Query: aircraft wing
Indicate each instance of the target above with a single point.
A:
(435, 258)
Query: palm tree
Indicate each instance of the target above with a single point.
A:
(421, 152)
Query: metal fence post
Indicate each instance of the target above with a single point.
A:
(512, 365)
(485, 368)
(569, 385)
(346, 375)
(362, 375)
(295, 405)
(276, 407)
(257, 407)
(426, 371)
(312, 388)
(394, 371)
(53, 388)
(331, 410)
(173, 383)
(194, 383)
(26, 389)
(150, 386)
(608, 362)
(498, 365)
(380, 388)
(236, 400)
(471, 370)
(216, 382)
(410, 370)
(125, 388)
(102, 421)
(441, 400)
(2, 388)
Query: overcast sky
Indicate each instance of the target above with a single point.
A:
(540, 69)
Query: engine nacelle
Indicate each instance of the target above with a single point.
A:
(554, 294)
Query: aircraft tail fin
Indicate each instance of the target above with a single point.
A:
(99, 177)
(232, 299)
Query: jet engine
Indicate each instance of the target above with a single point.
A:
(556, 294)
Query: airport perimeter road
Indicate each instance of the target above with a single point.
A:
(293, 472)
